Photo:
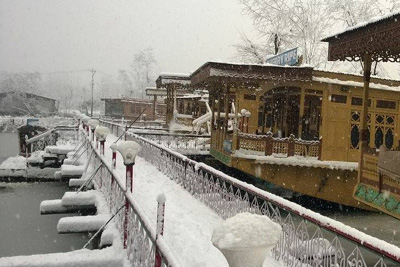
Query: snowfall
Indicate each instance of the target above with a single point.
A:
(188, 229)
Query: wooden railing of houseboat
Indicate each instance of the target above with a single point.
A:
(282, 147)
(307, 237)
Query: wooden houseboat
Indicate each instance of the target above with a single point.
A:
(378, 184)
(297, 127)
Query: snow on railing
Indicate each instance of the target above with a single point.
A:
(50, 137)
(138, 232)
(288, 146)
(176, 141)
(308, 237)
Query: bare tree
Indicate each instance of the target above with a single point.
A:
(249, 51)
(141, 73)
(27, 82)
(292, 23)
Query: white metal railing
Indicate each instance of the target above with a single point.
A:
(50, 138)
(307, 238)
(139, 234)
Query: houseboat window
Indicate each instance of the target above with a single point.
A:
(311, 118)
(358, 101)
(378, 137)
(250, 97)
(313, 92)
(386, 104)
(355, 136)
(389, 138)
(339, 98)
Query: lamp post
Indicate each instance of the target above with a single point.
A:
(128, 151)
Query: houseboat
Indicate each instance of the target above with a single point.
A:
(297, 127)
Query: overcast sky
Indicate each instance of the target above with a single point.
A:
(55, 35)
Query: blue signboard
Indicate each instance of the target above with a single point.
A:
(286, 58)
(32, 122)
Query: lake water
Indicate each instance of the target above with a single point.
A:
(23, 231)
(8, 145)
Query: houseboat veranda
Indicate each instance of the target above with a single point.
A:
(297, 127)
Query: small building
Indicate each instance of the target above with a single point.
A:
(173, 83)
(135, 107)
(20, 103)
(131, 108)
(113, 107)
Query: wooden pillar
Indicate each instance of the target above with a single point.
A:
(301, 113)
(235, 139)
(226, 119)
(212, 99)
(364, 120)
(218, 135)
(154, 107)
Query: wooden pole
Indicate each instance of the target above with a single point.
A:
(364, 122)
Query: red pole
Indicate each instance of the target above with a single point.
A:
(126, 222)
(129, 186)
(247, 125)
(114, 164)
(160, 226)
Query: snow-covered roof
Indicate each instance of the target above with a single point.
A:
(173, 78)
(171, 74)
(246, 72)
(357, 84)
(363, 24)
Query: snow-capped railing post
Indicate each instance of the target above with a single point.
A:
(101, 135)
(85, 120)
(113, 162)
(93, 124)
(320, 148)
(291, 143)
(128, 150)
(161, 199)
(245, 119)
(269, 141)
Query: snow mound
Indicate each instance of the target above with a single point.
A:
(16, 163)
(246, 230)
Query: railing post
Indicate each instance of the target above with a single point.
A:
(26, 151)
(129, 187)
(126, 130)
(114, 162)
(290, 150)
(161, 199)
(320, 148)
(269, 146)
(102, 147)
